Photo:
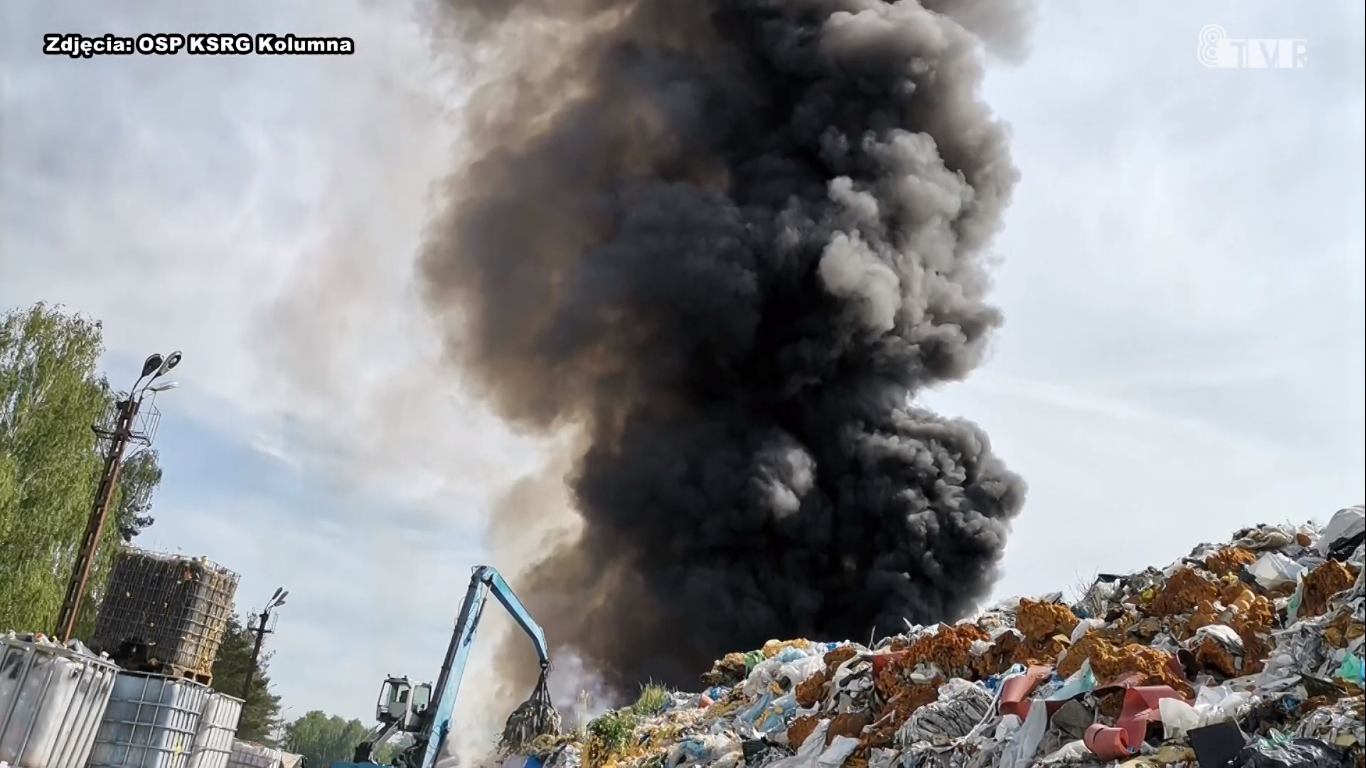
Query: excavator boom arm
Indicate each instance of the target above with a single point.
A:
(484, 580)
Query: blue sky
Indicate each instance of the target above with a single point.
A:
(1182, 282)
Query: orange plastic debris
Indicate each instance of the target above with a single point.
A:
(774, 647)
(1040, 621)
(848, 724)
(1182, 593)
(1107, 743)
(811, 690)
(950, 649)
(1211, 654)
(1008, 650)
(1343, 629)
(1110, 662)
(1322, 583)
(837, 656)
(1229, 560)
(800, 729)
(898, 709)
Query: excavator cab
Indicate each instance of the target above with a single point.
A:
(403, 702)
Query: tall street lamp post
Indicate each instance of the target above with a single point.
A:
(124, 431)
(261, 629)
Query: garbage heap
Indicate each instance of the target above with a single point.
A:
(1247, 653)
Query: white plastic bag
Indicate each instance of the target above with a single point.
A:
(883, 758)
(1273, 568)
(1222, 633)
(1221, 703)
(1084, 626)
(1007, 727)
(813, 753)
(1348, 522)
(1024, 743)
(1213, 704)
(1071, 752)
(1178, 718)
(703, 750)
(839, 750)
(797, 672)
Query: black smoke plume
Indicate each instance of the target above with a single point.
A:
(730, 241)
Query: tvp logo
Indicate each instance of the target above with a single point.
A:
(1219, 51)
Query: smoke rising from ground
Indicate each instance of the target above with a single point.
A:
(728, 242)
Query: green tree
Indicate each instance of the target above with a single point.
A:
(51, 393)
(138, 482)
(324, 740)
(261, 711)
(387, 752)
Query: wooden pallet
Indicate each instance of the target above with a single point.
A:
(156, 667)
(171, 670)
(137, 662)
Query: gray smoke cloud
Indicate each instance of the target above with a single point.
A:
(729, 241)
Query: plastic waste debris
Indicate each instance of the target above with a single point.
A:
(1273, 569)
(1108, 743)
(1345, 530)
(1353, 670)
(1300, 753)
(1071, 753)
(1215, 745)
(1024, 743)
(961, 706)
(1252, 647)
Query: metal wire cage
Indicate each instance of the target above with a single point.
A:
(143, 429)
(177, 607)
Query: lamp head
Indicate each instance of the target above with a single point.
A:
(151, 364)
(170, 362)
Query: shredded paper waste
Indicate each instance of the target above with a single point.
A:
(1245, 654)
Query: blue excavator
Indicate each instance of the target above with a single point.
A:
(409, 707)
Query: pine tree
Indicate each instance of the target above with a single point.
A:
(261, 711)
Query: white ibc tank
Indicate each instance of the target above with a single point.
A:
(213, 742)
(151, 722)
(51, 702)
(248, 755)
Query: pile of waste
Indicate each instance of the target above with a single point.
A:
(1247, 653)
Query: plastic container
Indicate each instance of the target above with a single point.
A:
(151, 722)
(51, 702)
(248, 755)
(213, 742)
(177, 606)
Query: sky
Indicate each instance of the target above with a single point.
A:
(1182, 279)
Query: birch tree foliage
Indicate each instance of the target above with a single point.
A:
(51, 393)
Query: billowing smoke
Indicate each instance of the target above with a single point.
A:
(729, 241)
